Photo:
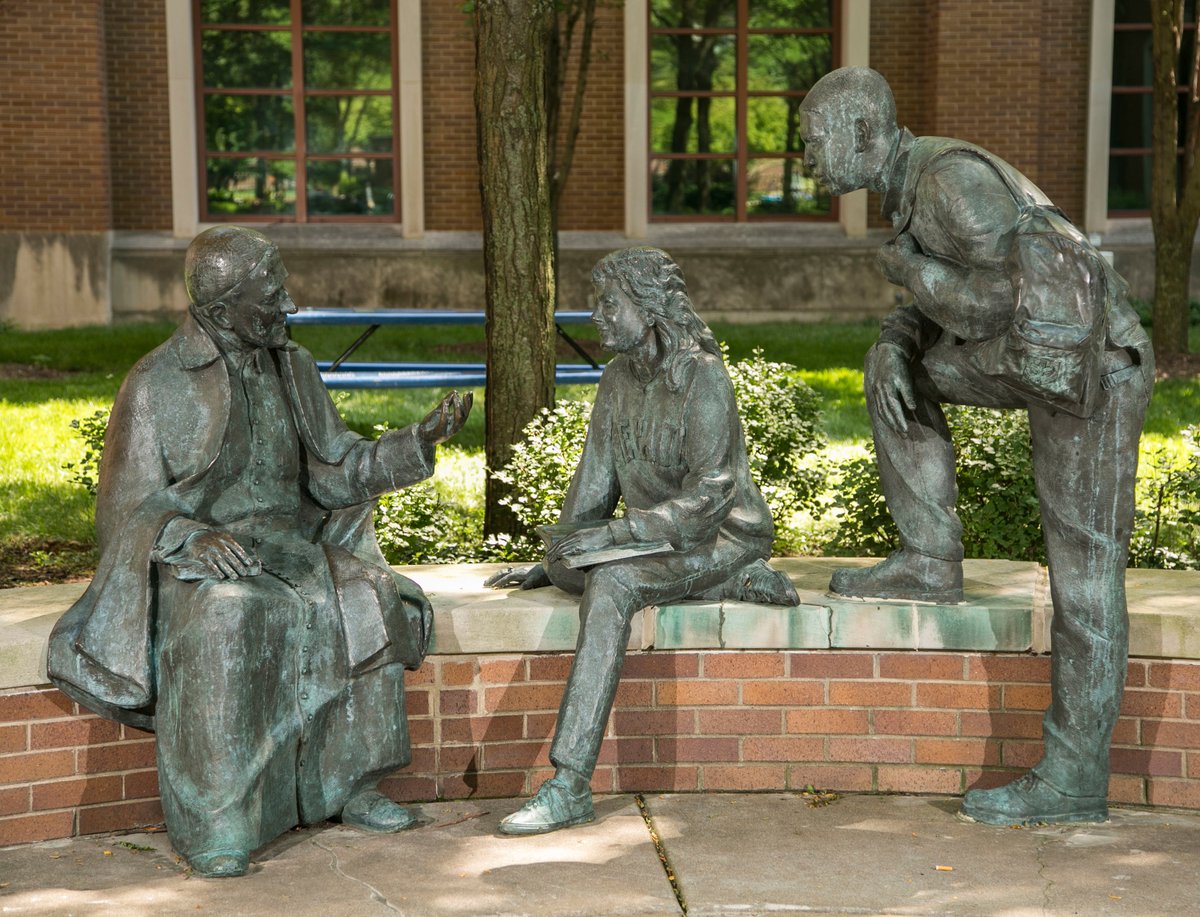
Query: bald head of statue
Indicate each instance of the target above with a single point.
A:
(235, 281)
(848, 124)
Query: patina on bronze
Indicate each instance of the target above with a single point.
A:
(1012, 308)
(242, 608)
(665, 438)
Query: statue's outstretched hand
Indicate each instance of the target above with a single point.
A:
(888, 382)
(526, 577)
(220, 554)
(446, 419)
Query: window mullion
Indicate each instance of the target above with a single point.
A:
(741, 184)
(301, 135)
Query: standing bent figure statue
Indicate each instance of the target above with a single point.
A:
(665, 437)
(241, 608)
(1013, 309)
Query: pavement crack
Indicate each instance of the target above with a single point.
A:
(336, 866)
(663, 858)
(1047, 883)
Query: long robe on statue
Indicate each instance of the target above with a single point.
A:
(277, 696)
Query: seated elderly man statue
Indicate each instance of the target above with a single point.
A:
(242, 609)
(1013, 308)
(665, 437)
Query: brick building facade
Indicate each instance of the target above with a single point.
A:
(100, 184)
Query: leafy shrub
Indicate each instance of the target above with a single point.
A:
(997, 501)
(1166, 527)
(415, 526)
(86, 472)
(781, 418)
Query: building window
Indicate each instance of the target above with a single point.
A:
(298, 110)
(726, 81)
(1129, 162)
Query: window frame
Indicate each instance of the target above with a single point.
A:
(297, 93)
(741, 154)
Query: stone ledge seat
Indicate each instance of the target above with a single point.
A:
(1007, 610)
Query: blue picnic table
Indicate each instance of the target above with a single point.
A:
(341, 373)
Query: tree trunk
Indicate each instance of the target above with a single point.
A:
(1174, 195)
(510, 70)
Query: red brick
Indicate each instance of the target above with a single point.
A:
(508, 755)
(632, 779)
(654, 722)
(34, 705)
(1127, 731)
(38, 766)
(457, 674)
(540, 725)
(550, 668)
(119, 816)
(827, 722)
(696, 693)
(14, 800)
(914, 722)
(831, 664)
(745, 777)
(1017, 753)
(763, 748)
(1124, 788)
(783, 693)
(27, 829)
(603, 780)
(470, 729)
(502, 671)
(420, 731)
(741, 722)
(458, 702)
(13, 738)
(1193, 764)
(957, 751)
(1147, 762)
(743, 665)
(1153, 703)
(978, 779)
(63, 794)
(871, 750)
(1177, 675)
(695, 750)
(1181, 793)
(69, 733)
(1135, 676)
(1001, 725)
(425, 675)
(921, 666)
(1009, 669)
(404, 788)
(132, 732)
(919, 779)
(1171, 734)
(636, 750)
(1192, 706)
(416, 703)
(963, 697)
(141, 784)
(846, 777)
(870, 694)
(1026, 697)
(484, 785)
(523, 697)
(661, 665)
(125, 756)
(635, 694)
(453, 759)
(424, 760)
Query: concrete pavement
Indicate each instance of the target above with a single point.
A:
(771, 853)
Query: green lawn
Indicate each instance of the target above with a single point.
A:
(83, 368)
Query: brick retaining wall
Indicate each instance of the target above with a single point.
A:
(889, 721)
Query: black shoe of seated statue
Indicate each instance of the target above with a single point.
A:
(756, 582)
(904, 575)
(1029, 800)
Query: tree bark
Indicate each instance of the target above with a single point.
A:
(510, 70)
(1175, 193)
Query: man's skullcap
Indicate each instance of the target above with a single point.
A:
(220, 258)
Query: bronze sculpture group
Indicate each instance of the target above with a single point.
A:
(242, 609)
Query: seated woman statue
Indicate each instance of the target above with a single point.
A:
(241, 608)
(665, 437)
